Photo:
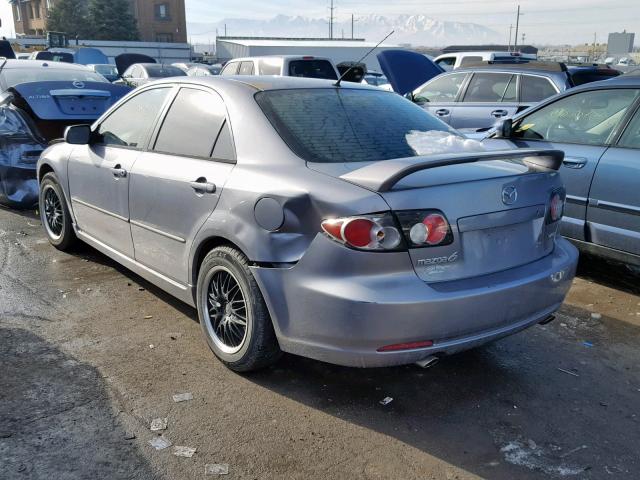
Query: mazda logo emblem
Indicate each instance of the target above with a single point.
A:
(78, 84)
(509, 195)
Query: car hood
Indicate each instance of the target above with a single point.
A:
(407, 70)
(125, 60)
(66, 100)
(6, 50)
(87, 56)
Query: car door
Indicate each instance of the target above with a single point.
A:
(613, 211)
(99, 172)
(581, 124)
(439, 95)
(177, 183)
(488, 97)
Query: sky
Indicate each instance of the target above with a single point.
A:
(543, 21)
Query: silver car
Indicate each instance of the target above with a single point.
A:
(298, 216)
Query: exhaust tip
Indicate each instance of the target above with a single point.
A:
(549, 319)
(427, 362)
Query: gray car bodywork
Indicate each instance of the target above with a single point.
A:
(603, 203)
(328, 301)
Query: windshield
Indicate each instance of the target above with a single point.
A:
(346, 125)
(16, 76)
(312, 69)
(106, 69)
(160, 71)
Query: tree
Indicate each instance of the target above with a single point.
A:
(70, 17)
(111, 20)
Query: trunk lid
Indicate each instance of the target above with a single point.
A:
(495, 202)
(67, 100)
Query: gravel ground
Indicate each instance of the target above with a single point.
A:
(90, 354)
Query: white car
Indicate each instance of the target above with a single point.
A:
(282, 65)
(451, 61)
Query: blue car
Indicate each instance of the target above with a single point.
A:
(597, 126)
(38, 100)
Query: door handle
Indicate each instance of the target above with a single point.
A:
(202, 186)
(499, 113)
(118, 171)
(442, 112)
(574, 162)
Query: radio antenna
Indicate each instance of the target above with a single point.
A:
(337, 84)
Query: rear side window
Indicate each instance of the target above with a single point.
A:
(535, 89)
(269, 66)
(346, 125)
(230, 69)
(443, 88)
(129, 124)
(488, 87)
(192, 124)
(312, 69)
(246, 68)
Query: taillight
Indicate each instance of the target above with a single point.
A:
(365, 232)
(556, 206)
(425, 228)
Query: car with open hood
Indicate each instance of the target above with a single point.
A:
(331, 220)
(38, 100)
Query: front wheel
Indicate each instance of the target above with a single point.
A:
(55, 215)
(233, 314)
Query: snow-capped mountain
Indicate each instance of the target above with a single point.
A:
(414, 29)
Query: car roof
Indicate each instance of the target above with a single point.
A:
(26, 64)
(505, 67)
(620, 81)
(266, 82)
(283, 57)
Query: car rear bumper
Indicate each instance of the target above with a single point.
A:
(339, 305)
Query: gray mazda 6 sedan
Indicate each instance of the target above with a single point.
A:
(337, 222)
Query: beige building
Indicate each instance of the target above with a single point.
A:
(30, 16)
(158, 20)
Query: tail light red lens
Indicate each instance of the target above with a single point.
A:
(425, 228)
(365, 232)
(556, 206)
(405, 346)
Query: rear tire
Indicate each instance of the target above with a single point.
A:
(55, 215)
(233, 314)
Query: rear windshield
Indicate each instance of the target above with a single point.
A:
(16, 76)
(312, 69)
(346, 125)
(106, 69)
(582, 76)
(159, 71)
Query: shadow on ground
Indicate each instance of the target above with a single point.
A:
(56, 421)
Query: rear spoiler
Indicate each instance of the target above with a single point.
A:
(383, 176)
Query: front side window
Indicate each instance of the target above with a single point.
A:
(192, 124)
(631, 136)
(488, 87)
(443, 88)
(446, 63)
(584, 118)
(535, 89)
(230, 68)
(346, 125)
(129, 124)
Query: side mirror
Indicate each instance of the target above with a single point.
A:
(77, 134)
(504, 128)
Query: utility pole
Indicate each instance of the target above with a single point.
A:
(523, 37)
(515, 44)
(352, 21)
(595, 36)
(510, 32)
(331, 9)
